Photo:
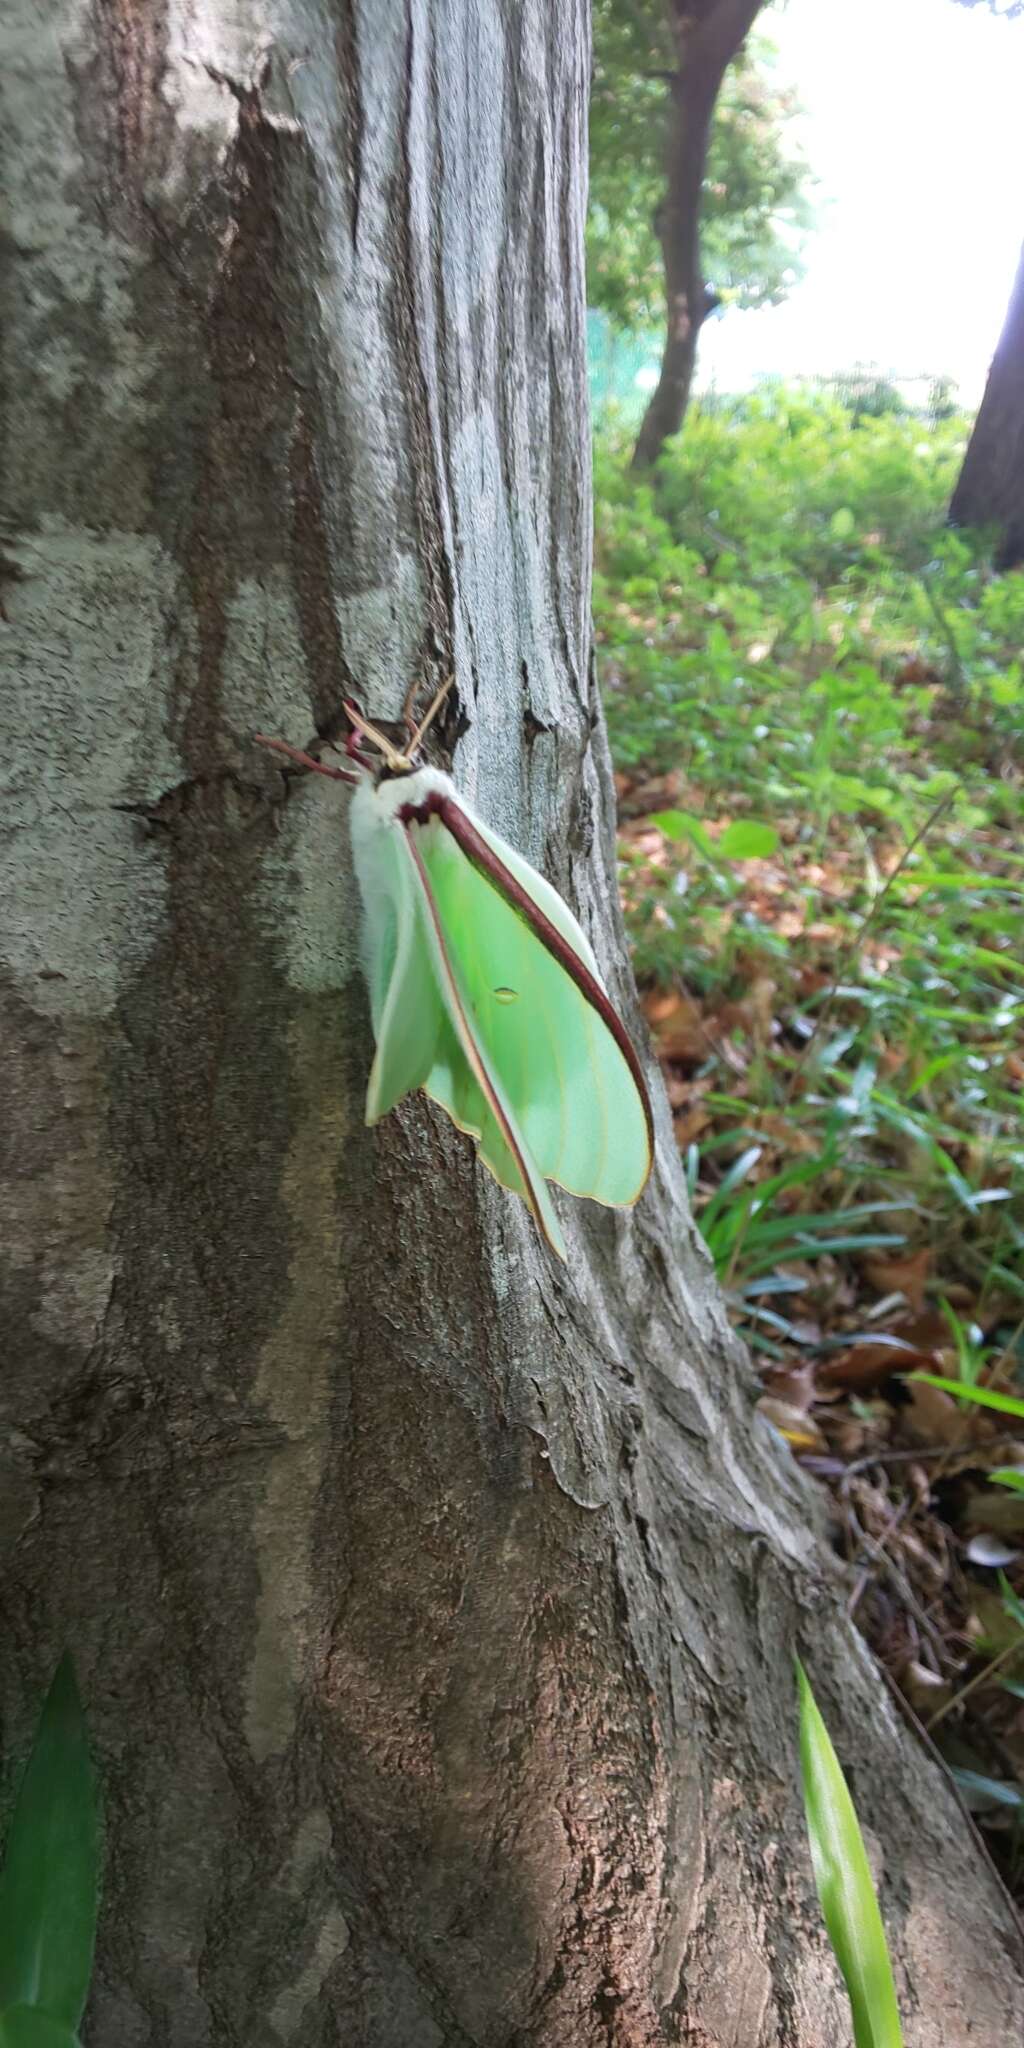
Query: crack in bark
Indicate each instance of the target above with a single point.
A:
(438, 567)
(349, 72)
(165, 813)
(132, 44)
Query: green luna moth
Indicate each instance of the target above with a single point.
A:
(484, 991)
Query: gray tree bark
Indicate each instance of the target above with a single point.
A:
(434, 1609)
(990, 487)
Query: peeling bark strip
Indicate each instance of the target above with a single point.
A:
(433, 1611)
(125, 71)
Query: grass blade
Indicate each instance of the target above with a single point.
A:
(1012, 1605)
(844, 1884)
(988, 1791)
(984, 1397)
(48, 1890)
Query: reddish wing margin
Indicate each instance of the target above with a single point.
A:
(476, 849)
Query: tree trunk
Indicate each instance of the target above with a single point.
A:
(708, 34)
(433, 1608)
(990, 487)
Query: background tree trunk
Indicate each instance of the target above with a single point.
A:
(990, 487)
(708, 34)
(434, 1608)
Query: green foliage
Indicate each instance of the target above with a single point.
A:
(853, 683)
(843, 1878)
(50, 1880)
(755, 208)
(751, 1230)
(983, 1397)
(747, 841)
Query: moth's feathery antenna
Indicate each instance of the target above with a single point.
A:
(397, 761)
(425, 723)
(400, 763)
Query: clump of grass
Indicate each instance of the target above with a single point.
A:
(796, 652)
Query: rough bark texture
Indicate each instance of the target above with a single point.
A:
(434, 1608)
(990, 487)
(708, 34)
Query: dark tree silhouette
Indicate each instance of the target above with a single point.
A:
(990, 487)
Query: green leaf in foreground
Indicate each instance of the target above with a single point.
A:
(985, 1397)
(25, 2026)
(48, 1890)
(844, 1884)
(747, 840)
(1011, 1478)
(677, 825)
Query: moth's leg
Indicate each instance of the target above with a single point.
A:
(306, 760)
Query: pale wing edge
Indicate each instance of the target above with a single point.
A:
(381, 1099)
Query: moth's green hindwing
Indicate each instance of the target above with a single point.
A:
(571, 1091)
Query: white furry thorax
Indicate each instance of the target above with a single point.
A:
(391, 796)
(375, 805)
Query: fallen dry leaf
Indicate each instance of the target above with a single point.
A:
(647, 841)
(915, 671)
(786, 1135)
(676, 1024)
(906, 1276)
(799, 1431)
(849, 1435)
(639, 799)
(793, 1385)
(934, 1416)
(912, 1343)
(866, 1365)
(689, 1123)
